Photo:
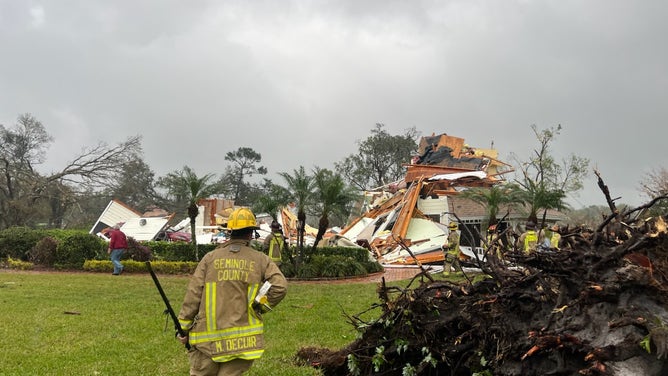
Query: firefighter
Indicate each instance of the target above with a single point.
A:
(451, 250)
(528, 241)
(494, 241)
(274, 242)
(219, 314)
(555, 237)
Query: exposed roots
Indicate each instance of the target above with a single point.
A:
(590, 309)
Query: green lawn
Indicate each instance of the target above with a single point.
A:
(78, 324)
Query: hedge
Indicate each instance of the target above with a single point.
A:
(132, 266)
(22, 247)
(329, 262)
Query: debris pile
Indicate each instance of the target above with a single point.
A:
(415, 210)
(598, 307)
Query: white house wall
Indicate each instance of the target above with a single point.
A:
(144, 229)
(199, 222)
(434, 206)
(114, 213)
(421, 229)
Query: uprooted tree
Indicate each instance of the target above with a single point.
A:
(597, 306)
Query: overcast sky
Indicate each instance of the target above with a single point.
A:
(302, 81)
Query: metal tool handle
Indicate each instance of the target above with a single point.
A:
(177, 325)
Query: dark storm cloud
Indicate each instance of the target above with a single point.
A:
(301, 82)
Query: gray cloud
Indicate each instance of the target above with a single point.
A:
(301, 82)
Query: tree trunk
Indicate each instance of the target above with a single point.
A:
(301, 228)
(193, 211)
(322, 227)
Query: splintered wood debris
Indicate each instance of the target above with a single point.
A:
(599, 306)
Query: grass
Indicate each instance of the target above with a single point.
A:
(97, 324)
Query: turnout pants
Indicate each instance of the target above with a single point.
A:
(202, 365)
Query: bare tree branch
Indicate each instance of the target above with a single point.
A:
(96, 165)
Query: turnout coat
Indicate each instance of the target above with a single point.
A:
(219, 310)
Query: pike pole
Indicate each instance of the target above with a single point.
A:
(169, 309)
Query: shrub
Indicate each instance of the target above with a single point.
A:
(288, 270)
(358, 254)
(330, 262)
(178, 267)
(18, 264)
(44, 252)
(137, 251)
(341, 266)
(98, 266)
(372, 267)
(177, 251)
(320, 266)
(75, 249)
(131, 266)
(15, 242)
(335, 267)
(79, 249)
(158, 249)
(308, 271)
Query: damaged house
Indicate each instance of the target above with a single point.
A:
(151, 225)
(410, 214)
(415, 212)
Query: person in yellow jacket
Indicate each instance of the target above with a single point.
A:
(274, 242)
(495, 243)
(528, 241)
(220, 312)
(451, 250)
(555, 237)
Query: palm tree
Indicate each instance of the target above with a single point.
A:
(545, 182)
(538, 197)
(272, 201)
(333, 196)
(186, 185)
(300, 186)
(494, 197)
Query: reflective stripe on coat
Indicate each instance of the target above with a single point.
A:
(218, 308)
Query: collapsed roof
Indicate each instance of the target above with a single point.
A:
(413, 213)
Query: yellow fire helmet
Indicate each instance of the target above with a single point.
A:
(452, 226)
(241, 218)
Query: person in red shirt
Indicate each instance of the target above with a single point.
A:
(117, 246)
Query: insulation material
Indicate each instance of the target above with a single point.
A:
(424, 236)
